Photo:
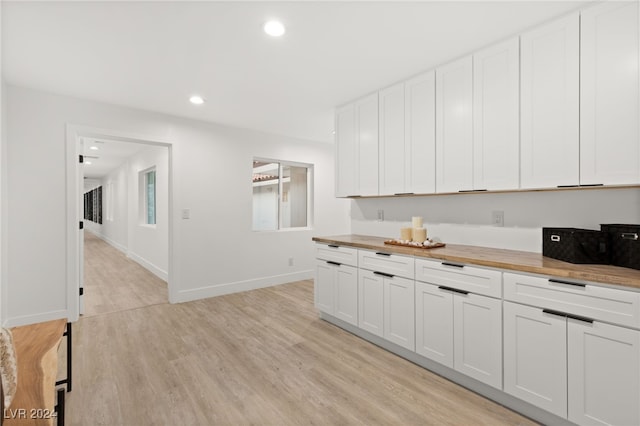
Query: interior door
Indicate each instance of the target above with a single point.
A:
(80, 182)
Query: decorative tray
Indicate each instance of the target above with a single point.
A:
(426, 245)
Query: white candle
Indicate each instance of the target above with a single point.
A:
(416, 221)
(419, 235)
(405, 234)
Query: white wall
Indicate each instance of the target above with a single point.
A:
(149, 244)
(466, 218)
(215, 251)
(122, 226)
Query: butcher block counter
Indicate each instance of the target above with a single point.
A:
(513, 260)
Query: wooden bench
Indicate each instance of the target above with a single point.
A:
(36, 347)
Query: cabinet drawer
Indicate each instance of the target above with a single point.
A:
(461, 277)
(339, 254)
(598, 303)
(392, 264)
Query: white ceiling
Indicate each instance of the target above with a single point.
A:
(108, 157)
(154, 55)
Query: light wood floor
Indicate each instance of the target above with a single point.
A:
(114, 283)
(261, 357)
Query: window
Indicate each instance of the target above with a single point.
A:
(148, 196)
(281, 195)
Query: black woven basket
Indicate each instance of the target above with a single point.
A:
(575, 245)
(624, 244)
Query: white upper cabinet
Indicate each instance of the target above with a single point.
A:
(420, 133)
(454, 126)
(496, 137)
(367, 143)
(549, 105)
(407, 136)
(357, 148)
(609, 114)
(392, 147)
(346, 159)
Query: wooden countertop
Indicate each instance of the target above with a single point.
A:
(514, 260)
(37, 354)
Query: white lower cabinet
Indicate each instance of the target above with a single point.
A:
(460, 330)
(386, 307)
(603, 374)
(583, 370)
(336, 290)
(535, 357)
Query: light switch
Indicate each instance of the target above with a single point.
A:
(186, 213)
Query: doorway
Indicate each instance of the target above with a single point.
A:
(120, 191)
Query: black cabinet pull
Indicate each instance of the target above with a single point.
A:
(568, 186)
(552, 280)
(333, 246)
(383, 254)
(579, 318)
(455, 290)
(472, 190)
(403, 193)
(333, 263)
(383, 274)
(590, 184)
(452, 264)
(552, 312)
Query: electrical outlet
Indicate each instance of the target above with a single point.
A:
(186, 213)
(380, 215)
(497, 218)
(291, 261)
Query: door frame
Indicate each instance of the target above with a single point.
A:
(74, 194)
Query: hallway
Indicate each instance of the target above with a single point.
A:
(114, 283)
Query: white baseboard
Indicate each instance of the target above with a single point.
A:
(36, 318)
(158, 272)
(238, 286)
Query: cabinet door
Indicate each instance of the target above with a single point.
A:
(434, 323)
(323, 287)
(454, 126)
(345, 125)
(370, 302)
(392, 142)
(496, 118)
(366, 111)
(420, 133)
(604, 374)
(346, 293)
(478, 337)
(399, 308)
(535, 357)
(609, 114)
(549, 105)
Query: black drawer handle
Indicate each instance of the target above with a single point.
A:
(472, 190)
(333, 246)
(333, 263)
(383, 274)
(456, 265)
(455, 290)
(403, 193)
(579, 318)
(565, 315)
(551, 280)
(383, 254)
(552, 312)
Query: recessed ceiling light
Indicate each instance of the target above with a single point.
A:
(274, 28)
(95, 148)
(196, 100)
